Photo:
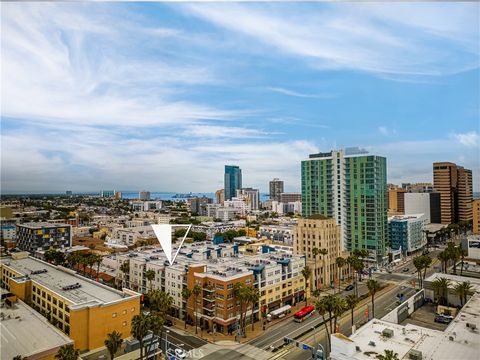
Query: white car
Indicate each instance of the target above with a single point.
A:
(180, 353)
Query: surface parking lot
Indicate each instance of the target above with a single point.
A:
(425, 316)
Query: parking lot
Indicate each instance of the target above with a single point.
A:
(425, 316)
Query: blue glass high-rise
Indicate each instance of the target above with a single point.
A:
(233, 180)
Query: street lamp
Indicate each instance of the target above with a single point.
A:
(166, 341)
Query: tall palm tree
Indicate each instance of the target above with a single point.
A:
(150, 275)
(125, 269)
(113, 342)
(98, 260)
(140, 327)
(389, 355)
(321, 310)
(160, 302)
(426, 262)
(340, 262)
(306, 273)
(463, 290)
(339, 306)
(186, 293)
(67, 352)
(324, 253)
(315, 252)
(441, 287)
(418, 263)
(463, 255)
(196, 291)
(454, 255)
(373, 286)
(91, 260)
(443, 256)
(351, 301)
(254, 296)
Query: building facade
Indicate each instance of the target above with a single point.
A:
(144, 195)
(198, 205)
(232, 181)
(406, 232)
(251, 196)
(476, 216)
(454, 183)
(83, 309)
(396, 200)
(276, 188)
(220, 196)
(427, 203)
(319, 232)
(287, 197)
(34, 236)
(349, 186)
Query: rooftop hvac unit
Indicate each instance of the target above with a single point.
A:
(387, 333)
(471, 326)
(415, 355)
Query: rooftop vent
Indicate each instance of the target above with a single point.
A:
(387, 333)
(71, 287)
(372, 343)
(471, 326)
(415, 355)
(35, 272)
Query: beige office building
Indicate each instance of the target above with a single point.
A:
(454, 183)
(396, 200)
(319, 232)
(476, 216)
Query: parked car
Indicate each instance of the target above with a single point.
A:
(443, 319)
(168, 322)
(349, 287)
(406, 270)
(180, 354)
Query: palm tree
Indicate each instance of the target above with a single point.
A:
(340, 261)
(150, 275)
(323, 252)
(454, 255)
(418, 263)
(443, 256)
(113, 342)
(463, 255)
(373, 286)
(186, 293)
(67, 352)
(98, 260)
(426, 262)
(140, 327)
(315, 252)
(125, 269)
(306, 273)
(351, 301)
(320, 306)
(90, 262)
(463, 290)
(254, 296)
(389, 355)
(441, 287)
(196, 291)
(339, 306)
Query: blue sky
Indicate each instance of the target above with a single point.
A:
(160, 96)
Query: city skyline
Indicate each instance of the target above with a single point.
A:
(162, 96)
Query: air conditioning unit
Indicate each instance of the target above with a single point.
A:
(387, 333)
(471, 326)
(415, 355)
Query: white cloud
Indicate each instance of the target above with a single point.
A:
(471, 138)
(386, 131)
(371, 38)
(219, 132)
(298, 94)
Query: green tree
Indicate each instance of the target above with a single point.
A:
(150, 276)
(324, 253)
(67, 352)
(97, 259)
(242, 232)
(454, 255)
(373, 286)
(186, 294)
(443, 256)
(315, 252)
(321, 307)
(125, 269)
(418, 263)
(339, 307)
(140, 328)
(441, 287)
(463, 255)
(351, 302)
(196, 291)
(254, 297)
(306, 273)
(340, 262)
(389, 355)
(113, 342)
(463, 290)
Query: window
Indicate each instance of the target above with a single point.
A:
(54, 301)
(60, 304)
(124, 311)
(114, 315)
(49, 298)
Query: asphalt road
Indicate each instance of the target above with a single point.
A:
(185, 342)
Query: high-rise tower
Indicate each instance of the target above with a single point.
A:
(233, 181)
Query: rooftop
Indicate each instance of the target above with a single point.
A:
(19, 323)
(57, 278)
(39, 225)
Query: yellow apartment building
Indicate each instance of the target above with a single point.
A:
(83, 309)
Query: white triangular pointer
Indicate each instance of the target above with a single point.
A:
(163, 232)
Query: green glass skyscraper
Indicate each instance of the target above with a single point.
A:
(232, 181)
(350, 186)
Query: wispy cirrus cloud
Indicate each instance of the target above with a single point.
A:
(289, 92)
(397, 39)
(470, 139)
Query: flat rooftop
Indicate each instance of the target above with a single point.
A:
(39, 225)
(17, 329)
(56, 278)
